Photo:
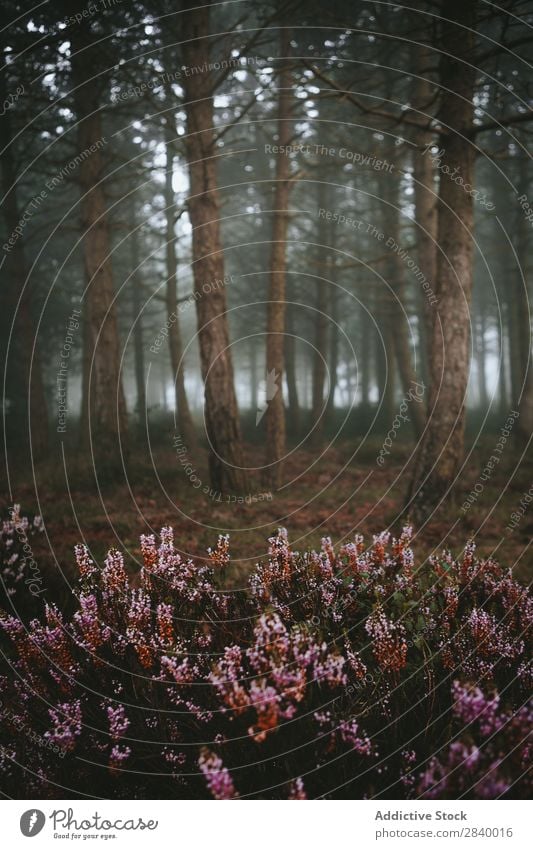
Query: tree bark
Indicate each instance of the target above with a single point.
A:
(395, 301)
(524, 397)
(137, 318)
(442, 449)
(323, 272)
(34, 411)
(290, 375)
(384, 360)
(226, 455)
(252, 348)
(275, 414)
(106, 397)
(481, 356)
(365, 365)
(425, 200)
(183, 412)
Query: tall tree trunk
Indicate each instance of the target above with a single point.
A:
(107, 403)
(503, 369)
(185, 422)
(442, 448)
(137, 318)
(524, 398)
(252, 347)
(290, 374)
(226, 455)
(333, 346)
(481, 357)
(34, 412)
(384, 359)
(321, 321)
(395, 299)
(85, 411)
(366, 358)
(275, 414)
(425, 200)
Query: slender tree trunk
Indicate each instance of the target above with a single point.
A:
(365, 364)
(333, 349)
(183, 412)
(503, 370)
(324, 266)
(481, 356)
(290, 374)
(384, 360)
(396, 303)
(107, 404)
(226, 455)
(442, 449)
(254, 400)
(333, 306)
(85, 411)
(425, 201)
(275, 414)
(524, 398)
(34, 412)
(137, 319)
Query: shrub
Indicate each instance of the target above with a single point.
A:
(19, 573)
(345, 674)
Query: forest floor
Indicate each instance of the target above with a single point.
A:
(339, 493)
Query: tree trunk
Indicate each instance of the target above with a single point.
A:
(384, 360)
(503, 369)
(333, 348)
(481, 356)
(323, 272)
(524, 398)
(425, 201)
(137, 318)
(183, 412)
(85, 412)
(290, 374)
(252, 347)
(275, 414)
(366, 359)
(442, 449)
(106, 397)
(397, 322)
(226, 455)
(34, 409)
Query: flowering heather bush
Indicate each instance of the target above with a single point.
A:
(345, 674)
(16, 558)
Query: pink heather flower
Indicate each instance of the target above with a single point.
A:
(148, 551)
(219, 556)
(389, 645)
(113, 574)
(471, 705)
(297, 789)
(217, 777)
(350, 733)
(279, 551)
(118, 721)
(84, 561)
(12, 626)
(67, 721)
(118, 755)
(92, 634)
(181, 671)
(165, 624)
(327, 550)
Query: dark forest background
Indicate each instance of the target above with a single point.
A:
(267, 264)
